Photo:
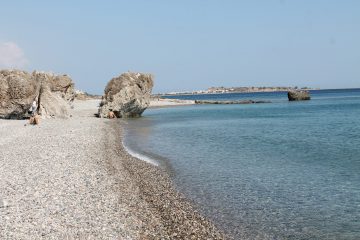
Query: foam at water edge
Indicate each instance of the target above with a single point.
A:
(140, 156)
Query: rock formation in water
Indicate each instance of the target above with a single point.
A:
(127, 95)
(298, 95)
(229, 102)
(18, 89)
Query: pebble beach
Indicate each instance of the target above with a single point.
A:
(72, 179)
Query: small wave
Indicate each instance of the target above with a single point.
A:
(140, 156)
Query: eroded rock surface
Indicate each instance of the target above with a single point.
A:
(127, 95)
(18, 89)
(298, 95)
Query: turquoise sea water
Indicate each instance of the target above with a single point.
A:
(282, 170)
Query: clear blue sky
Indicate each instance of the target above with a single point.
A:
(187, 44)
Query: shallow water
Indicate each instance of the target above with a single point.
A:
(284, 170)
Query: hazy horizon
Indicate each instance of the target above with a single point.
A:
(187, 45)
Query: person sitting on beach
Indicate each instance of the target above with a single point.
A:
(34, 120)
(111, 114)
(34, 117)
(33, 108)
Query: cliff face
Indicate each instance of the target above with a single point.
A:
(18, 89)
(127, 95)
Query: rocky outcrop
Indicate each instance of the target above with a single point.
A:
(298, 95)
(229, 102)
(127, 95)
(18, 89)
(62, 85)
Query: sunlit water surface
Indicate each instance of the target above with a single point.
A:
(282, 170)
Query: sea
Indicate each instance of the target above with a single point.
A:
(279, 170)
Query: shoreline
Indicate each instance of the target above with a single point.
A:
(138, 155)
(183, 221)
(74, 178)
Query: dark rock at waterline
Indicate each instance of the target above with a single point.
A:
(229, 102)
(127, 95)
(298, 95)
(18, 89)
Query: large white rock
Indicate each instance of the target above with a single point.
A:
(127, 95)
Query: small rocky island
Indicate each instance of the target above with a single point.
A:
(127, 95)
(298, 95)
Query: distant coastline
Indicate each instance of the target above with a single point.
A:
(219, 90)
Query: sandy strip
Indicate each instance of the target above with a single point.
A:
(72, 179)
(162, 102)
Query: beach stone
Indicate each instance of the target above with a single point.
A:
(18, 89)
(127, 95)
(298, 95)
(3, 203)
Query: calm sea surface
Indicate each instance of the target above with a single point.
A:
(282, 170)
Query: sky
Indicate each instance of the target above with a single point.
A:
(186, 44)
